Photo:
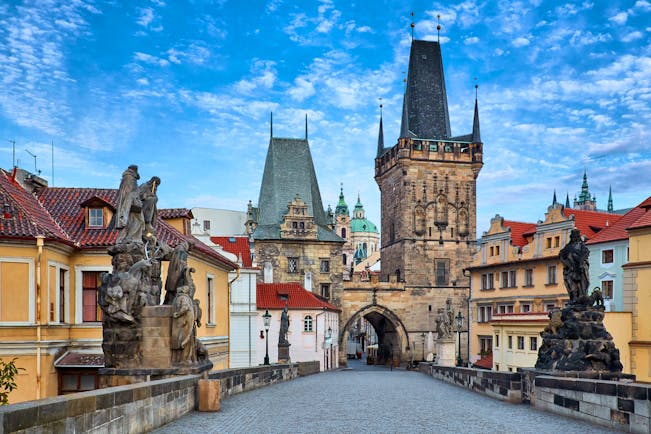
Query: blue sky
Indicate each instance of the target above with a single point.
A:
(184, 90)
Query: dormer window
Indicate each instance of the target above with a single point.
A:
(95, 217)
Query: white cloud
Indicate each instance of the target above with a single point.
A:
(619, 18)
(643, 5)
(633, 36)
(146, 17)
(149, 59)
(471, 40)
(520, 42)
(302, 89)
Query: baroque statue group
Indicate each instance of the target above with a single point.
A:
(135, 282)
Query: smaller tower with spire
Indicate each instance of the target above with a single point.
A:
(585, 201)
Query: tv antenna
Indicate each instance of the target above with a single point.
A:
(33, 155)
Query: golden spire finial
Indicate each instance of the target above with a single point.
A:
(412, 25)
(438, 28)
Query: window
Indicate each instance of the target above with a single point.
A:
(551, 274)
(497, 250)
(484, 313)
(525, 307)
(505, 308)
(292, 265)
(497, 341)
(487, 281)
(550, 306)
(497, 366)
(485, 345)
(510, 342)
(492, 251)
(520, 342)
(442, 267)
(512, 278)
(90, 283)
(447, 148)
(504, 279)
(607, 256)
(548, 242)
(77, 381)
(301, 225)
(325, 266)
(294, 225)
(433, 147)
(343, 233)
(96, 217)
(210, 289)
(557, 241)
(345, 259)
(307, 324)
(62, 294)
(206, 225)
(418, 146)
(607, 288)
(325, 290)
(528, 277)
(533, 343)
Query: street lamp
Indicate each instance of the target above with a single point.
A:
(326, 354)
(422, 337)
(459, 319)
(267, 322)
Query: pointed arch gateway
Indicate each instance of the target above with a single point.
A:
(393, 338)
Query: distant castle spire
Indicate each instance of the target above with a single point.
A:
(610, 199)
(585, 201)
(554, 201)
(380, 136)
(476, 137)
(567, 200)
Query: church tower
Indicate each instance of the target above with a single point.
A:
(427, 184)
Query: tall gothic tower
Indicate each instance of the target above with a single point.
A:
(427, 183)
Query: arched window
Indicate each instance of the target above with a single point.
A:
(307, 323)
(345, 259)
(364, 246)
(343, 233)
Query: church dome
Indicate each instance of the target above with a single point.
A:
(362, 225)
(342, 206)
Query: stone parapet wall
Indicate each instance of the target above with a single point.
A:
(136, 408)
(621, 405)
(505, 386)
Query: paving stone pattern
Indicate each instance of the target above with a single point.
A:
(372, 399)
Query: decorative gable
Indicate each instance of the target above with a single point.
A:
(298, 223)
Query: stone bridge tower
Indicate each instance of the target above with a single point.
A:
(427, 184)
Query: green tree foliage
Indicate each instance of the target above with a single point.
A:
(8, 372)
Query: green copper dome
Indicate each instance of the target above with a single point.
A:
(362, 225)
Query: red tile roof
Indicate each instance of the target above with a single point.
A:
(239, 246)
(617, 231)
(646, 203)
(27, 216)
(590, 223)
(268, 297)
(642, 222)
(175, 213)
(518, 230)
(485, 362)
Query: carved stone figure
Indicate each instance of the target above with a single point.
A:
(121, 294)
(183, 332)
(443, 328)
(149, 199)
(129, 219)
(576, 275)
(284, 327)
(176, 271)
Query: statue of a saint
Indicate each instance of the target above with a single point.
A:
(575, 259)
(183, 332)
(284, 327)
(176, 271)
(149, 200)
(129, 219)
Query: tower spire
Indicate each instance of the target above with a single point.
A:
(567, 200)
(438, 28)
(554, 201)
(271, 126)
(404, 125)
(305, 126)
(412, 25)
(610, 199)
(380, 137)
(476, 136)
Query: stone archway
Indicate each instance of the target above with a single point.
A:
(393, 338)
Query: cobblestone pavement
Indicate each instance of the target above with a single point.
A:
(373, 400)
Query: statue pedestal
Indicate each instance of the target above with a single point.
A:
(445, 353)
(283, 353)
(156, 326)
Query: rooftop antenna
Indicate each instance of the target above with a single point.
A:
(305, 126)
(412, 25)
(476, 86)
(33, 155)
(438, 28)
(13, 148)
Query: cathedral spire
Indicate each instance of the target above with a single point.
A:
(554, 201)
(567, 200)
(476, 137)
(610, 199)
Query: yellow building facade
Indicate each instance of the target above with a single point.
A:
(516, 279)
(50, 262)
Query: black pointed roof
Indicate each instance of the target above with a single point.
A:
(380, 140)
(426, 103)
(288, 171)
(476, 136)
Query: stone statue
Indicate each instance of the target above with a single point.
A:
(443, 327)
(176, 271)
(449, 315)
(149, 199)
(574, 257)
(183, 327)
(121, 293)
(129, 219)
(284, 327)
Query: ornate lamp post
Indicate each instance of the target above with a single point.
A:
(267, 322)
(459, 319)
